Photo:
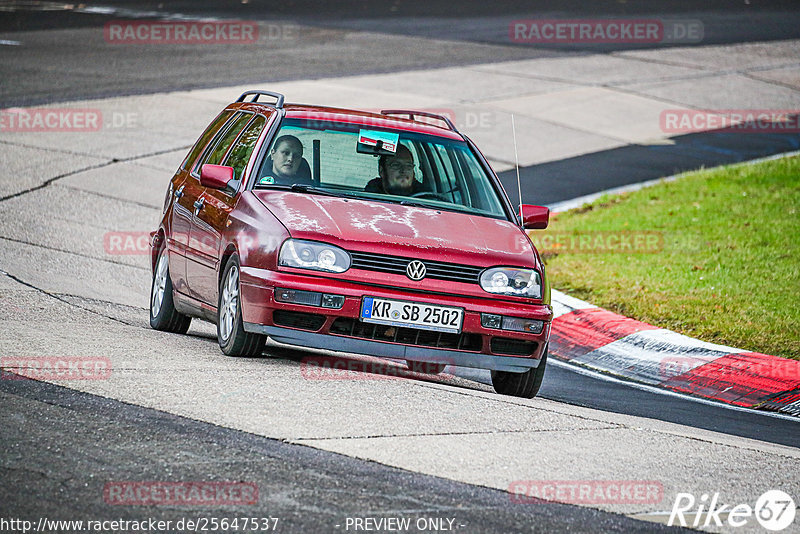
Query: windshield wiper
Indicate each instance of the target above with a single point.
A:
(450, 207)
(417, 204)
(302, 188)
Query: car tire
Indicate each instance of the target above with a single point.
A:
(427, 368)
(163, 315)
(524, 385)
(232, 337)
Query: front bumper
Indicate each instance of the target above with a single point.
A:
(341, 330)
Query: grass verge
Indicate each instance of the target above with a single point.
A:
(714, 255)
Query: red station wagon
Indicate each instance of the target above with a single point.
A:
(379, 234)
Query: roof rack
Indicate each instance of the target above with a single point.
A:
(412, 113)
(279, 98)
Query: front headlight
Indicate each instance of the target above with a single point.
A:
(512, 281)
(313, 255)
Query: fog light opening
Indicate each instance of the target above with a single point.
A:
(294, 296)
(514, 324)
(332, 301)
(489, 320)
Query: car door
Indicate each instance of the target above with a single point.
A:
(181, 214)
(208, 215)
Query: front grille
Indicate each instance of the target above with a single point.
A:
(513, 347)
(439, 270)
(345, 326)
(303, 321)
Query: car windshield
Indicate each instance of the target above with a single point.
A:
(369, 162)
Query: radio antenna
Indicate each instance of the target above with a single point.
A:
(516, 164)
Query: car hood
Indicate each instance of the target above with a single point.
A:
(387, 228)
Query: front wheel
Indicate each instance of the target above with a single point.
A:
(524, 385)
(233, 340)
(163, 315)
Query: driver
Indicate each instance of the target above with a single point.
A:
(396, 175)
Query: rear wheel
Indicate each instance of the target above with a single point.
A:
(425, 367)
(163, 315)
(233, 340)
(525, 384)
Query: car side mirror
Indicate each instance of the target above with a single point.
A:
(215, 176)
(535, 217)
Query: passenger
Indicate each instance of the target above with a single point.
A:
(396, 175)
(285, 163)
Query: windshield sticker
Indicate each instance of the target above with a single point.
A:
(388, 140)
(266, 180)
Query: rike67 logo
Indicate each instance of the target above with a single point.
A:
(774, 510)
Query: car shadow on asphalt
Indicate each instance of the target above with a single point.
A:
(337, 366)
(326, 365)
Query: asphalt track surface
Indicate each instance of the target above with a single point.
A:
(66, 58)
(306, 489)
(40, 419)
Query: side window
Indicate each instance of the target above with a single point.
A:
(223, 143)
(450, 176)
(205, 138)
(240, 154)
(479, 194)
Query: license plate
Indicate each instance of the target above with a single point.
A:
(413, 314)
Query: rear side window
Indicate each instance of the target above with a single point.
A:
(224, 141)
(243, 149)
(205, 138)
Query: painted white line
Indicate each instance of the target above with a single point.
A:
(9, 43)
(652, 389)
(653, 356)
(138, 14)
(97, 10)
(564, 304)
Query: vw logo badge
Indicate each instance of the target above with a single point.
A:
(416, 270)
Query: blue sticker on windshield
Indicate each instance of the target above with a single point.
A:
(388, 140)
(266, 180)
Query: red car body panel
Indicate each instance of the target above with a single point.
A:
(371, 226)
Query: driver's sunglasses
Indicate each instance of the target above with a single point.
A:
(397, 166)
